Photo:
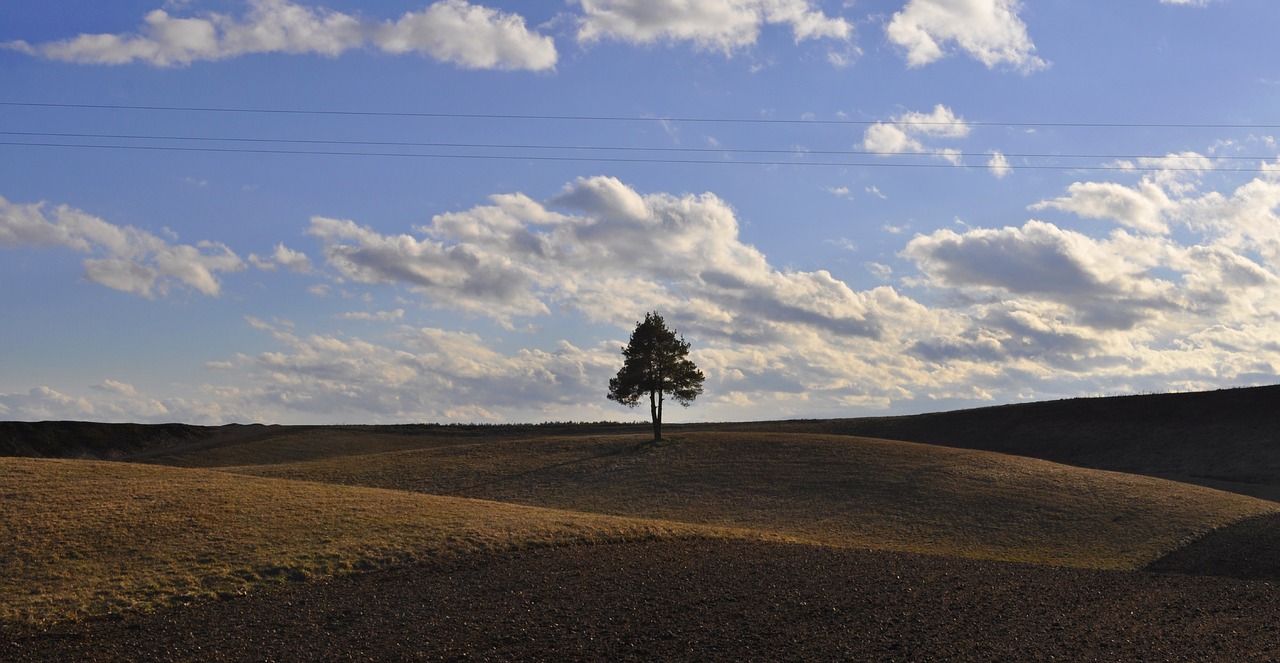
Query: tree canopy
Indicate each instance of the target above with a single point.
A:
(656, 364)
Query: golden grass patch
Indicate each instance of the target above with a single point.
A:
(88, 537)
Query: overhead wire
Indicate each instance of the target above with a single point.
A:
(605, 148)
(918, 158)
(626, 118)
(604, 159)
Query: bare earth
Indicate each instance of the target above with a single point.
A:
(701, 600)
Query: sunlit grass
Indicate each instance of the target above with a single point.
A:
(86, 537)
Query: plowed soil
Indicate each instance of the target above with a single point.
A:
(701, 600)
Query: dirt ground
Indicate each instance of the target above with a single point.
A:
(701, 600)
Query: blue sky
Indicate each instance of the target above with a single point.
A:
(302, 212)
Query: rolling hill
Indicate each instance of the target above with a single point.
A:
(207, 512)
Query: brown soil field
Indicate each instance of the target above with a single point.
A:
(700, 600)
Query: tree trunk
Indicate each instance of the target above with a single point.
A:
(656, 415)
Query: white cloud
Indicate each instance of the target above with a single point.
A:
(124, 258)
(905, 134)
(723, 25)
(990, 31)
(1027, 309)
(454, 31)
(1183, 305)
(294, 261)
(469, 36)
(1142, 207)
(1100, 281)
(375, 316)
(999, 164)
(110, 401)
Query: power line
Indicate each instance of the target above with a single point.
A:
(518, 157)
(624, 118)
(607, 148)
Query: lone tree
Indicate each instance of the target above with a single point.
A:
(657, 363)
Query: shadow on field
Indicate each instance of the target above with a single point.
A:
(1245, 550)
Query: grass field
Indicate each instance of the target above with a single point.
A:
(90, 537)
(212, 512)
(831, 489)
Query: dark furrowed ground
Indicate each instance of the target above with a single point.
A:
(717, 600)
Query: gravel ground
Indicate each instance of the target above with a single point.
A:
(701, 600)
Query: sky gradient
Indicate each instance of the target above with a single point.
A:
(354, 212)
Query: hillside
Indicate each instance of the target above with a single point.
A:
(831, 489)
(90, 537)
(1226, 439)
(81, 439)
(1218, 438)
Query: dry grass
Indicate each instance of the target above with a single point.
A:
(831, 489)
(89, 537)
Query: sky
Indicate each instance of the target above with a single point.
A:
(329, 211)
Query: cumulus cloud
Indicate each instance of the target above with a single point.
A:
(283, 256)
(122, 257)
(1097, 279)
(1186, 298)
(601, 248)
(998, 164)
(907, 132)
(1142, 208)
(377, 316)
(424, 374)
(110, 401)
(723, 25)
(989, 31)
(470, 36)
(1173, 294)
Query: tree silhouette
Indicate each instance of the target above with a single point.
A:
(656, 363)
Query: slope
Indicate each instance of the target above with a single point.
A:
(1227, 438)
(832, 489)
(89, 537)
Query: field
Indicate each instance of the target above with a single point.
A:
(1006, 532)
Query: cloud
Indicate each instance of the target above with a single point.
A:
(123, 258)
(1094, 279)
(723, 25)
(425, 374)
(469, 36)
(376, 316)
(1182, 304)
(1142, 208)
(999, 164)
(294, 261)
(110, 401)
(906, 133)
(990, 31)
(605, 250)
(458, 275)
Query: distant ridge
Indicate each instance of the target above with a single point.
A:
(83, 439)
(1229, 435)
(1227, 439)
